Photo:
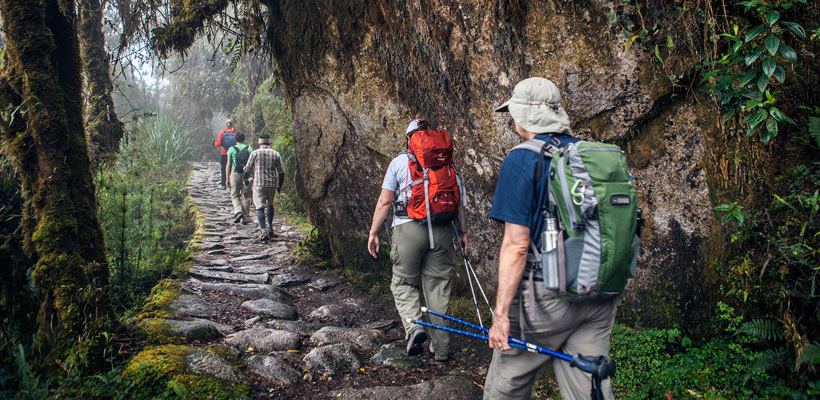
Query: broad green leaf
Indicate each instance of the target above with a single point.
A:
(669, 42)
(723, 207)
(772, 43)
(771, 130)
(729, 114)
(769, 66)
(762, 83)
(737, 46)
(754, 32)
(772, 17)
(747, 77)
(753, 56)
(658, 54)
(788, 53)
(709, 75)
(779, 74)
(779, 116)
(795, 28)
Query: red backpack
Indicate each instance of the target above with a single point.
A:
(436, 191)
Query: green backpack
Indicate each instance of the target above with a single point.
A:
(590, 239)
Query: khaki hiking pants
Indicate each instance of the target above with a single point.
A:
(556, 324)
(240, 198)
(416, 265)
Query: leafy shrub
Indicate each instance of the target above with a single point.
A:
(659, 363)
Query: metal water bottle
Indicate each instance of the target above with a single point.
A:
(549, 252)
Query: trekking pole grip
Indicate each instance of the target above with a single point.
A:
(600, 367)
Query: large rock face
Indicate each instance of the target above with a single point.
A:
(357, 72)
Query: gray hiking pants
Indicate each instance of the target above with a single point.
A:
(240, 196)
(416, 265)
(556, 324)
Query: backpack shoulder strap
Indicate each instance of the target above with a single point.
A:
(533, 145)
(235, 148)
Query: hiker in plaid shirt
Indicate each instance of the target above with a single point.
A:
(265, 165)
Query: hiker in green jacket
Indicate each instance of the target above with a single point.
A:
(240, 194)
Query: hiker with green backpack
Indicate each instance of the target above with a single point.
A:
(238, 156)
(570, 244)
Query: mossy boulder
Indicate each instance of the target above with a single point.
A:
(166, 372)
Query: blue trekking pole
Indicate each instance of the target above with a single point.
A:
(600, 367)
(468, 267)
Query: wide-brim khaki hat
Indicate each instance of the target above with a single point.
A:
(536, 106)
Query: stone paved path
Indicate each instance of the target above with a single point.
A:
(291, 330)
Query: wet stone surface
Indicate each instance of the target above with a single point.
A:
(239, 310)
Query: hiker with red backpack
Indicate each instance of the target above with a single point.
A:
(238, 156)
(225, 140)
(423, 188)
(570, 245)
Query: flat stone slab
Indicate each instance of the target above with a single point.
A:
(228, 276)
(323, 284)
(333, 359)
(250, 257)
(255, 269)
(301, 327)
(193, 330)
(201, 362)
(383, 325)
(211, 246)
(217, 252)
(275, 370)
(192, 306)
(364, 338)
(250, 290)
(327, 311)
(269, 308)
(289, 279)
(277, 250)
(210, 267)
(264, 340)
(395, 357)
(444, 388)
(239, 237)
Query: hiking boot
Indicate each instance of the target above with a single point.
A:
(240, 216)
(415, 342)
(439, 357)
(263, 237)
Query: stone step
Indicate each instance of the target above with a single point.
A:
(228, 276)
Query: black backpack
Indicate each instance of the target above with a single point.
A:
(241, 158)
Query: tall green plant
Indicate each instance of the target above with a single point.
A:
(741, 81)
(165, 138)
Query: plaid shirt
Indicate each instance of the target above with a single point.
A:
(266, 165)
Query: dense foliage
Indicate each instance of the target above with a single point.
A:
(143, 207)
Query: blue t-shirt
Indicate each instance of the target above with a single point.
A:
(515, 199)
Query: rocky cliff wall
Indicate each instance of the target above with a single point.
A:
(356, 72)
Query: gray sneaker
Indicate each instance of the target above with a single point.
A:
(415, 342)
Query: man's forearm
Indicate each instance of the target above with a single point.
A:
(511, 262)
(378, 217)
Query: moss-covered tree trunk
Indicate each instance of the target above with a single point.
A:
(41, 94)
(104, 128)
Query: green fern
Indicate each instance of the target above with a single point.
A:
(762, 329)
(810, 355)
(768, 359)
(179, 389)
